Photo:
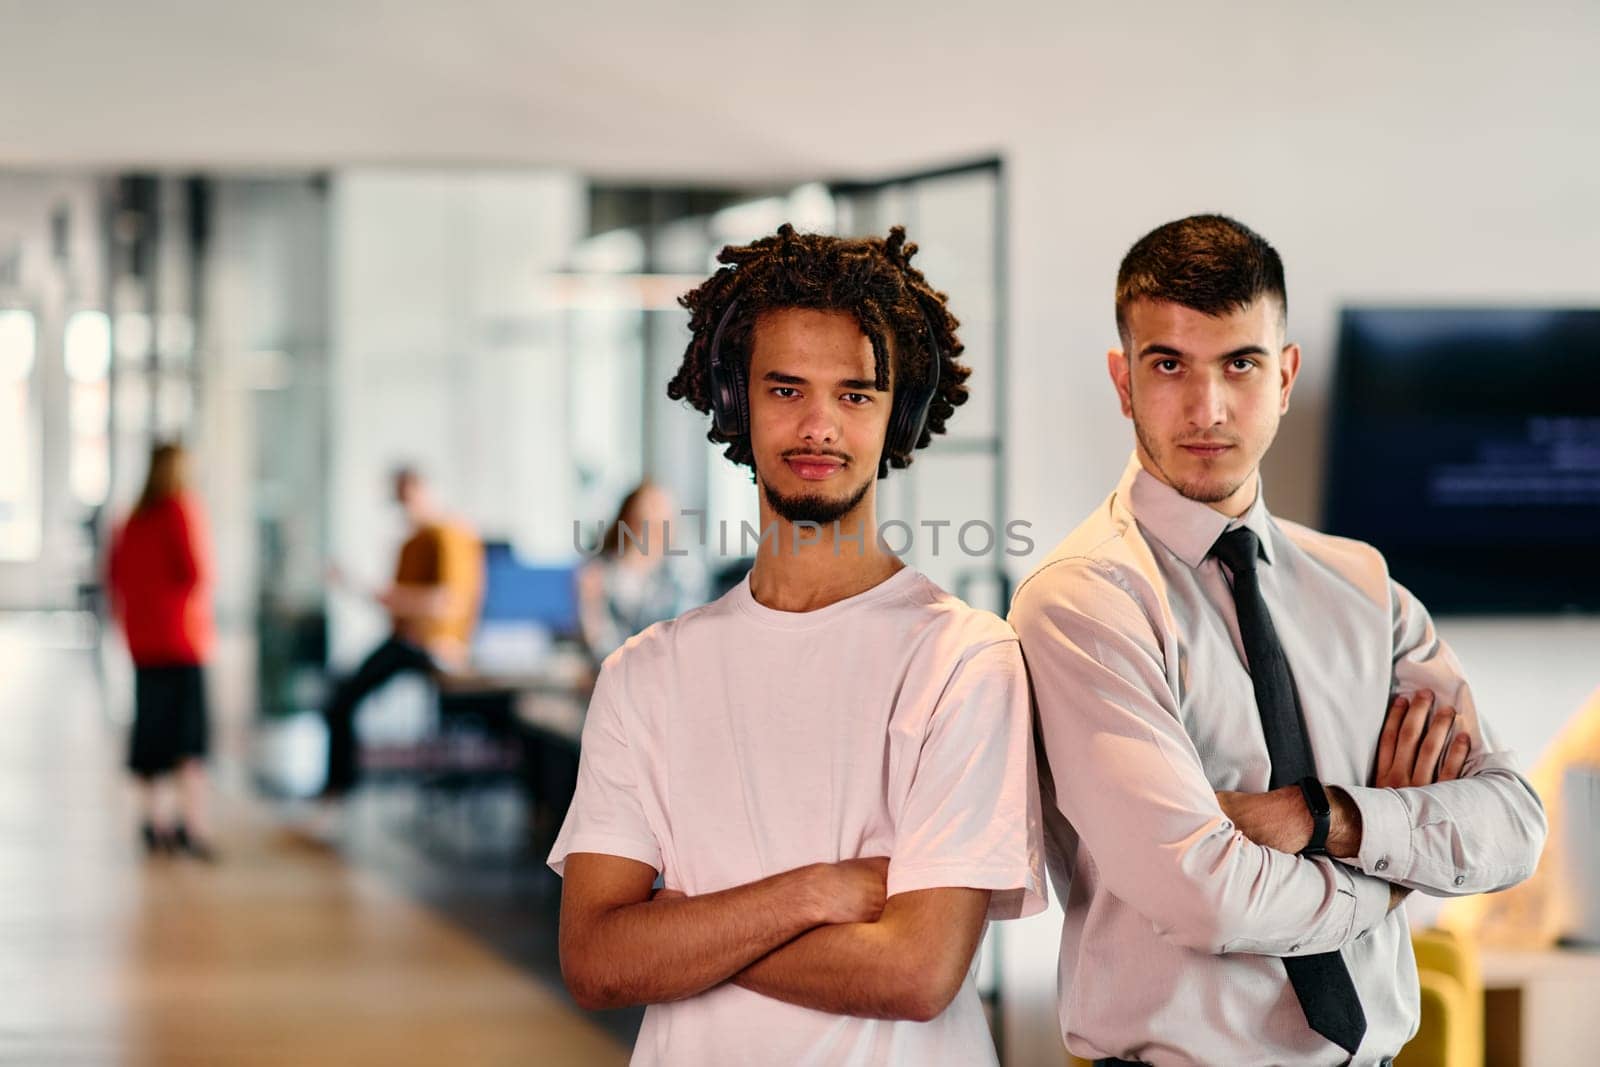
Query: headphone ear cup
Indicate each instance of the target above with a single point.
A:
(907, 421)
(909, 416)
(730, 401)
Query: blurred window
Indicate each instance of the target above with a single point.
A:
(86, 354)
(19, 438)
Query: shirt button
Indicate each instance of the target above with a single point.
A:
(1461, 879)
(1382, 865)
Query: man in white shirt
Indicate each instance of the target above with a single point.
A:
(831, 766)
(1233, 815)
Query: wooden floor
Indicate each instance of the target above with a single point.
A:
(281, 954)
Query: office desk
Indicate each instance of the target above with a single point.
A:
(549, 704)
(543, 712)
(1541, 1007)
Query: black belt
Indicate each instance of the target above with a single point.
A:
(1120, 1063)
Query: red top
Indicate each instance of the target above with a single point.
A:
(161, 584)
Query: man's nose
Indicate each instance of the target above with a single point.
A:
(1207, 401)
(820, 423)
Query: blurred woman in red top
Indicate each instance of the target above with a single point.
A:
(161, 593)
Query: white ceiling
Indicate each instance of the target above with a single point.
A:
(714, 90)
(661, 90)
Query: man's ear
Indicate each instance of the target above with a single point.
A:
(1288, 369)
(1117, 367)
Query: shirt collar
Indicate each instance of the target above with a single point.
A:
(1188, 527)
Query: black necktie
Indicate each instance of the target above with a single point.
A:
(1322, 982)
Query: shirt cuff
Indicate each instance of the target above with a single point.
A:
(1385, 833)
(1372, 905)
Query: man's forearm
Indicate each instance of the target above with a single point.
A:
(907, 965)
(669, 949)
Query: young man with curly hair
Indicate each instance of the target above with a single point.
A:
(830, 767)
(1260, 743)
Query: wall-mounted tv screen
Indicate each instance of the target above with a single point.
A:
(1465, 444)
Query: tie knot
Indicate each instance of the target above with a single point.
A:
(1238, 549)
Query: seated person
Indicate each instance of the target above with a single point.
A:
(433, 607)
(631, 582)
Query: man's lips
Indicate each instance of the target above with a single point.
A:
(814, 468)
(1206, 450)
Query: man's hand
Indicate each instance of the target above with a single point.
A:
(855, 890)
(1413, 740)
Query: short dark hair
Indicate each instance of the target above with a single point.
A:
(1209, 263)
(869, 278)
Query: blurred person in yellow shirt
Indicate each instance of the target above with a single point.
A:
(433, 606)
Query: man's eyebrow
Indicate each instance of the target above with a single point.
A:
(1170, 352)
(863, 385)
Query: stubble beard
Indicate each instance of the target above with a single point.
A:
(1200, 492)
(812, 507)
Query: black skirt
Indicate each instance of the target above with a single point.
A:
(169, 718)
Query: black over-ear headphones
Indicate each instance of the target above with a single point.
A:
(730, 397)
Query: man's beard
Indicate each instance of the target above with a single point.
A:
(1199, 492)
(811, 507)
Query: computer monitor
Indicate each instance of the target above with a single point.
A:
(1465, 444)
(517, 592)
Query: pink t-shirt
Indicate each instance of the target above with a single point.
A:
(738, 742)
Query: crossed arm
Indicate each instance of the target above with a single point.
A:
(1220, 872)
(822, 936)
(1415, 749)
(1447, 812)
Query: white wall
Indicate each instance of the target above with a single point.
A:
(1409, 155)
(447, 354)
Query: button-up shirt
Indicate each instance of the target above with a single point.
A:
(1174, 919)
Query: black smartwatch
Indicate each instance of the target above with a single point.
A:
(1317, 804)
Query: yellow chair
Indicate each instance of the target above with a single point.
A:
(1450, 1033)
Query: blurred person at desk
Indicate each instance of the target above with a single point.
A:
(433, 607)
(631, 582)
(160, 580)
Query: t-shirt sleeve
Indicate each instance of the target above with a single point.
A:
(606, 815)
(460, 561)
(972, 815)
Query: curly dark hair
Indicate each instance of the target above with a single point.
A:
(870, 278)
